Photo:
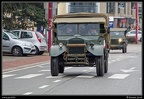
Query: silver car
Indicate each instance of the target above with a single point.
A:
(11, 44)
(35, 37)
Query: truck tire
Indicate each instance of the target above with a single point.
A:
(100, 66)
(106, 65)
(54, 66)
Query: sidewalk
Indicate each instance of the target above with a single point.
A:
(9, 61)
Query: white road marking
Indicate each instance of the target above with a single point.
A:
(57, 81)
(68, 68)
(84, 76)
(40, 66)
(25, 68)
(54, 76)
(119, 76)
(44, 86)
(91, 68)
(84, 70)
(109, 62)
(132, 68)
(132, 56)
(128, 70)
(28, 93)
(43, 70)
(28, 76)
(8, 75)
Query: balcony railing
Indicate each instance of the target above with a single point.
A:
(76, 9)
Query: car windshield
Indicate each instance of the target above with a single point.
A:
(81, 29)
(12, 36)
(117, 33)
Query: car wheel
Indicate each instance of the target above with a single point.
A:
(17, 51)
(54, 66)
(37, 50)
(100, 66)
(40, 52)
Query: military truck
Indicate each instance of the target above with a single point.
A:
(74, 46)
(118, 39)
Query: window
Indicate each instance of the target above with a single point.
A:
(82, 7)
(16, 33)
(26, 34)
(121, 5)
(5, 37)
(110, 7)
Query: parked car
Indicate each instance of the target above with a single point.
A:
(11, 44)
(132, 34)
(35, 37)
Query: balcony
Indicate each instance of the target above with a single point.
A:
(76, 9)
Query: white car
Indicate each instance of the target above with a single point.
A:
(11, 44)
(35, 37)
(132, 33)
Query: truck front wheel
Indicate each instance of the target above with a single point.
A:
(54, 66)
(100, 65)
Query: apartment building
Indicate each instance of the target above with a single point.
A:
(121, 13)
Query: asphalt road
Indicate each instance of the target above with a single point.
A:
(124, 77)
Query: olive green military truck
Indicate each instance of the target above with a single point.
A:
(118, 39)
(80, 40)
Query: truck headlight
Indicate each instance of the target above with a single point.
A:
(60, 45)
(120, 40)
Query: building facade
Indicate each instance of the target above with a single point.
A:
(120, 13)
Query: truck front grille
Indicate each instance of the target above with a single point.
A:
(76, 49)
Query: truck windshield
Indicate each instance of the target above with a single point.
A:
(81, 29)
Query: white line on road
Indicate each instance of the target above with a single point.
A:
(109, 62)
(54, 77)
(84, 76)
(57, 81)
(44, 86)
(25, 68)
(28, 93)
(43, 70)
(8, 75)
(85, 70)
(119, 76)
(28, 76)
(113, 60)
(91, 68)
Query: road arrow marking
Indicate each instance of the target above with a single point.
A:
(129, 70)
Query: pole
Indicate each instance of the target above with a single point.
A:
(50, 5)
(136, 22)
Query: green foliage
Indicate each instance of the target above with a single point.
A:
(34, 11)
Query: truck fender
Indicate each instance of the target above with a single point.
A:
(55, 50)
(97, 50)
